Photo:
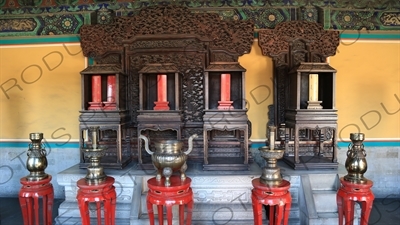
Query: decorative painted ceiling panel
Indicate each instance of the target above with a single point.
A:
(57, 17)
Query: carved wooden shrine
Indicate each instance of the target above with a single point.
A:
(304, 90)
(103, 105)
(224, 82)
(165, 53)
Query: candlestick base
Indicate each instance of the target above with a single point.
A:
(314, 105)
(95, 105)
(161, 106)
(271, 173)
(110, 105)
(225, 105)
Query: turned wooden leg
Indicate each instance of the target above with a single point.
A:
(257, 210)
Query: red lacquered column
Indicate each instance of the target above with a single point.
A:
(225, 102)
(110, 103)
(96, 93)
(161, 103)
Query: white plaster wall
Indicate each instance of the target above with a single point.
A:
(383, 169)
(13, 168)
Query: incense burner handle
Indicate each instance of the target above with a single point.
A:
(146, 144)
(190, 142)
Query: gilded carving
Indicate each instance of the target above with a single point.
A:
(391, 19)
(357, 19)
(16, 25)
(309, 13)
(335, 14)
(266, 17)
(104, 16)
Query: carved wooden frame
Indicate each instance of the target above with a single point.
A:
(289, 44)
(163, 35)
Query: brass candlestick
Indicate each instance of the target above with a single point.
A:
(356, 163)
(37, 161)
(271, 173)
(272, 131)
(95, 172)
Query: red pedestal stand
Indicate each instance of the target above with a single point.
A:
(277, 197)
(179, 193)
(99, 193)
(351, 192)
(29, 196)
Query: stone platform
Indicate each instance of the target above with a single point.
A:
(221, 197)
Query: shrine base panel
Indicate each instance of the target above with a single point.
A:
(311, 163)
(219, 196)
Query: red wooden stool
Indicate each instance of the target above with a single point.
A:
(103, 192)
(179, 193)
(277, 197)
(29, 196)
(351, 192)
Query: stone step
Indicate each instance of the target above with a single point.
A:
(77, 220)
(71, 209)
(328, 219)
(202, 214)
(210, 222)
(320, 197)
(145, 221)
(322, 220)
(320, 182)
(325, 201)
(219, 196)
(223, 212)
